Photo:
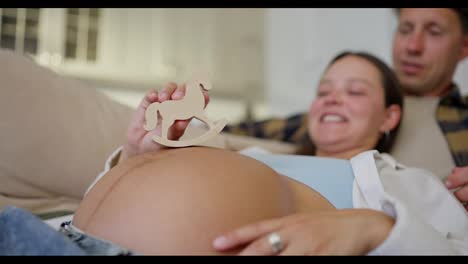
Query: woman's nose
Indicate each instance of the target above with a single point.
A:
(334, 97)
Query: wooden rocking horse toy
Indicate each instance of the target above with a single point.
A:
(192, 105)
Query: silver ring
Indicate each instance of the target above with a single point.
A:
(275, 242)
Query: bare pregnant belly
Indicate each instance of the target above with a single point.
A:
(177, 201)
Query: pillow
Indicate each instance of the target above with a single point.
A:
(56, 134)
(239, 142)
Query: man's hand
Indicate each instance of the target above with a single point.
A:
(459, 179)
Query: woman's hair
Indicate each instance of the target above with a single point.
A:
(392, 95)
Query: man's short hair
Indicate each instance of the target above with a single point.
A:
(462, 15)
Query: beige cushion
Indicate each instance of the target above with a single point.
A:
(237, 143)
(56, 134)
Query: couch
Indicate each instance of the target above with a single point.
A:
(57, 132)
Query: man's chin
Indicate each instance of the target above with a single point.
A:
(414, 87)
(416, 91)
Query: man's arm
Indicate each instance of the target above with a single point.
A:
(292, 129)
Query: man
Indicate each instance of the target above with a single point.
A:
(428, 45)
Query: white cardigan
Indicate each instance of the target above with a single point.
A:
(429, 219)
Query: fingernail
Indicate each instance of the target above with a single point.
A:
(178, 94)
(448, 184)
(220, 242)
(163, 95)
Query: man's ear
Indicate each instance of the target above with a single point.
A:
(464, 51)
(392, 118)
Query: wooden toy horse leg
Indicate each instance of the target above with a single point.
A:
(165, 125)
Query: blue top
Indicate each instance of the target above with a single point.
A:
(332, 178)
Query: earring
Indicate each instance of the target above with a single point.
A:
(387, 134)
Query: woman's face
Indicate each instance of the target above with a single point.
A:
(348, 114)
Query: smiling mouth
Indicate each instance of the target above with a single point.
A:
(332, 118)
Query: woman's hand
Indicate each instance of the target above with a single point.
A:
(459, 179)
(340, 232)
(138, 139)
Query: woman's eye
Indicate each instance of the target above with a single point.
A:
(322, 93)
(356, 92)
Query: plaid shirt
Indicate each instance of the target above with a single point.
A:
(292, 129)
(451, 114)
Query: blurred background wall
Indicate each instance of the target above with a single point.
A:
(263, 62)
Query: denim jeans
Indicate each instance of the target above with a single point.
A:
(22, 233)
(93, 245)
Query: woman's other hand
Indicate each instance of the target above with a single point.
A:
(340, 232)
